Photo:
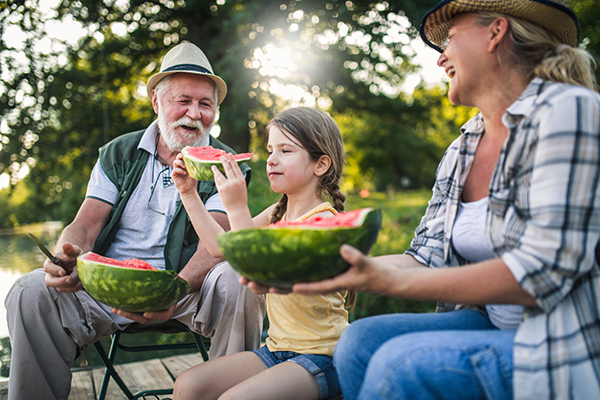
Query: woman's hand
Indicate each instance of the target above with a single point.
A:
(232, 185)
(363, 275)
(366, 274)
(183, 181)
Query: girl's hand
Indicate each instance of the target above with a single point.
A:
(232, 185)
(257, 288)
(183, 181)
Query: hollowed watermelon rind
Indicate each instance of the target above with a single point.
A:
(283, 256)
(201, 169)
(130, 289)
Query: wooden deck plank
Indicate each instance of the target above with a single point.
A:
(177, 364)
(82, 387)
(137, 376)
(143, 375)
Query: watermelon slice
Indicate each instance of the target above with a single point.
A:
(199, 160)
(130, 285)
(131, 263)
(285, 253)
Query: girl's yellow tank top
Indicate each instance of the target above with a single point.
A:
(306, 324)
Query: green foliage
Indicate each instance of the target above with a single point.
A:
(4, 356)
(588, 14)
(69, 100)
(260, 195)
(59, 103)
(396, 143)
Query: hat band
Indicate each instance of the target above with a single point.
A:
(188, 67)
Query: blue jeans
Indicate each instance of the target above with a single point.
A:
(320, 367)
(453, 355)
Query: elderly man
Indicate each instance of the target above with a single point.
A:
(131, 210)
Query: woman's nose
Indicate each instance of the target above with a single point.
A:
(442, 59)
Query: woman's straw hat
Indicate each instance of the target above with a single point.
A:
(187, 57)
(554, 15)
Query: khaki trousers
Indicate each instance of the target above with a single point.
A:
(48, 327)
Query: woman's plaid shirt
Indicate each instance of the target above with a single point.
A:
(544, 222)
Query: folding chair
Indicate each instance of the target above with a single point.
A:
(167, 327)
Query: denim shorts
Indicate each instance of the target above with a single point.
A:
(319, 365)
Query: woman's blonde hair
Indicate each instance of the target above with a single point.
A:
(541, 54)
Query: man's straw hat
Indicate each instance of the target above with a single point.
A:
(554, 15)
(186, 57)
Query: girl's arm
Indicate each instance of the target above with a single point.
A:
(204, 224)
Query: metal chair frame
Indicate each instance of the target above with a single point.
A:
(166, 327)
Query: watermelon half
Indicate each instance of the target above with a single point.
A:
(198, 161)
(130, 285)
(285, 253)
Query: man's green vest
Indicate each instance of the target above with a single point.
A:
(124, 165)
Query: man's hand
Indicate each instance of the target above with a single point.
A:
(184, 183)
(57, 277)
(144, 318)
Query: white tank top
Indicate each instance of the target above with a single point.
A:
(470, 241)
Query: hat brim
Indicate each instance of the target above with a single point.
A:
(553, 16)
(220, 83)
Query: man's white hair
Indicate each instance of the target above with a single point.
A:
(162, 86)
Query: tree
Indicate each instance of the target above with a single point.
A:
(62, 103)
(588, 14)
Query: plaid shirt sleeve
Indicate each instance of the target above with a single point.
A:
(544, 221)
(427, 245)
(431, 244)
(545, 194)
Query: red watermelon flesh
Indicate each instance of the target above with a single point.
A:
(210, 154)
(131, 263)
(347, 219)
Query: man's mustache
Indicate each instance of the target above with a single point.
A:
(192, 123)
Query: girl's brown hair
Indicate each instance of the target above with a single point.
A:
(318, 133)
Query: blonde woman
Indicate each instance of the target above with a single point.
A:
(515, 210)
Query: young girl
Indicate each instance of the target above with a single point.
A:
(305, 162)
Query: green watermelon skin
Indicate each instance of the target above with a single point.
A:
(283, 256)
(201, 169)
(131, 289)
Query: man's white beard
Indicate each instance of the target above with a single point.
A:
(177, 141)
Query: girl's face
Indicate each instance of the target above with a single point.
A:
(289, 167)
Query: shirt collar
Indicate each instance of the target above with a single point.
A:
(148, 141)
(474, 125)
(525, 104)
